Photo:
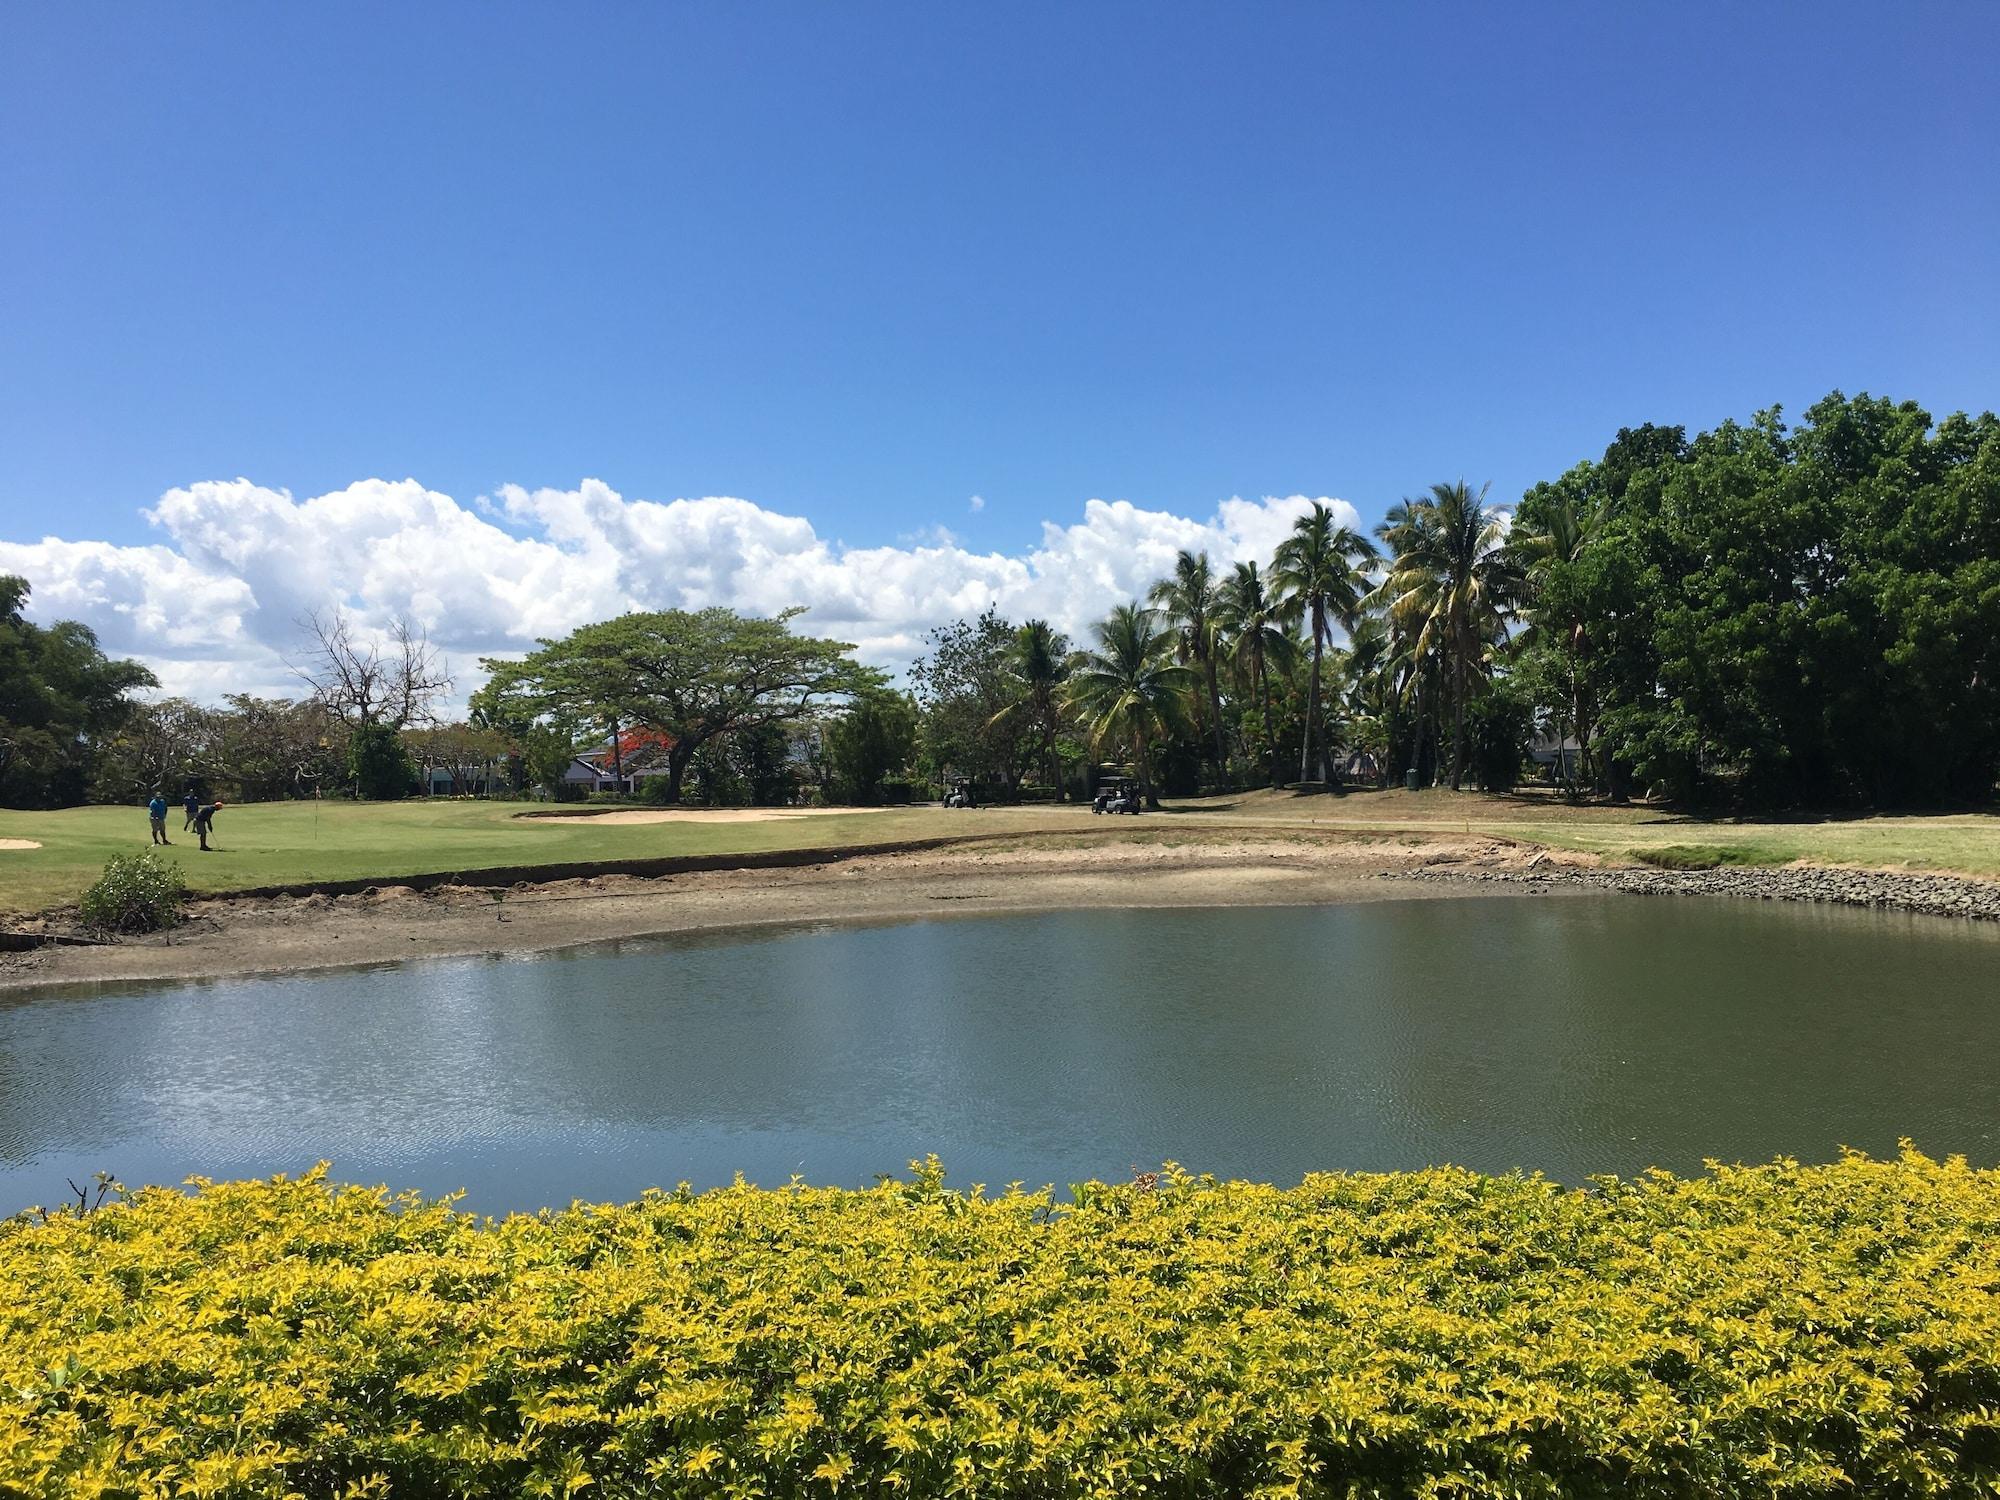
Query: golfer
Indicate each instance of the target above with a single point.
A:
(156, 811)
(204, 821)
(190, 804)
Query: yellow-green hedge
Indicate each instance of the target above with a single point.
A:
(1825, 1330)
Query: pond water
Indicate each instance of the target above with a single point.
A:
(1567, 1035)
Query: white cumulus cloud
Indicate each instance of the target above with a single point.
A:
(214, 605)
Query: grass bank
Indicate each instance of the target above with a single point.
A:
(287, 843)
(1962, 843)
(292, 843)
(1778, 1330)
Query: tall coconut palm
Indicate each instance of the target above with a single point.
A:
(1410, 656)
(1189, 601)
(1130, 688)
(1318, 571)
(1039, 659)
(1258, 630)
(1450, 584)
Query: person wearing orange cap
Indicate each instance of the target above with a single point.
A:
(204, 821)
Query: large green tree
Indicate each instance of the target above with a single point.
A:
(963, 682)
(874, 738)
(695, 677)
(61, 698)
(162, 746)
(1578, 589)
(275, 747)
(1773, 615)
(1801, 616)
(465, 752)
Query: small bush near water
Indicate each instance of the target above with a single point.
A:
(136, 893)
(1783, 1330)
(1698, 856)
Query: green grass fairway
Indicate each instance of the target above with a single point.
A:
(1964, 843)
(282, 843)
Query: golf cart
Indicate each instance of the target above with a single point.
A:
(1119, 794)
(960, 794)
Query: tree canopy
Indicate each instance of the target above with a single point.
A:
(1783, 616)
(695, 677)
(965, 683)
(1763, 615)
(61, 698)
(1130, 690)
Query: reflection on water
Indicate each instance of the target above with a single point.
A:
(1571, 1036)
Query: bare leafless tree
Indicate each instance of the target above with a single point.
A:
(366, 682)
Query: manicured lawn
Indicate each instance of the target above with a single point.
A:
(1965, 842)
(277, 843)
(289, 842)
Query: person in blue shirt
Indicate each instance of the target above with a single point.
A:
(190, 804)
(157, 811)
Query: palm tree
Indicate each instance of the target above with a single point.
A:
(1372, 684)
(1258, 629)
(1318, 571)
(1188, 600)
(1450, 584)
(1563, 530)
(1130, 688)
(1039, 657)
(1410, 656)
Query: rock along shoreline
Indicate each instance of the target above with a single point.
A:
(1882, 890)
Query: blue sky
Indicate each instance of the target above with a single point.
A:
(858, 263)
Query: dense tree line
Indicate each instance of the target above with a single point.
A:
(1762, 616)
(1773, 615)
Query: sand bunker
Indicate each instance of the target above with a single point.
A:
(19, 844)
(704, 815)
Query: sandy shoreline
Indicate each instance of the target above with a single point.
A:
(286, 934)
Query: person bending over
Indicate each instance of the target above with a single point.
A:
(204, 821)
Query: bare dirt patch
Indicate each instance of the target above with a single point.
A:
(704, 815)
(20, 844)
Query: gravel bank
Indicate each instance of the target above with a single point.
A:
(1931, 895)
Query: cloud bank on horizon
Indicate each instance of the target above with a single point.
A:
(214, 607)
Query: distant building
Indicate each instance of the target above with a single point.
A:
(480, 781)
(1560, 756)
(641, 754)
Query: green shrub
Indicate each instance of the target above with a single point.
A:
(136, 893)
(1698, 856)
(1784, 1330)
(1498, 725)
